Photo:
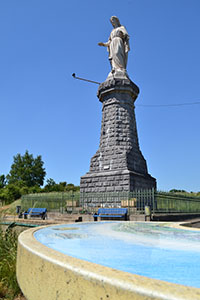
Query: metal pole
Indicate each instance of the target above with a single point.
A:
(153, 196)
(92, 81)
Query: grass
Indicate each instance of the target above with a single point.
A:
(9, 288)
(11, 208)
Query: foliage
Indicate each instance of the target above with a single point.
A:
(72, 187)
(12, 192)
(184, 193)
(50, 182)
(26, 177)
(2, 181)
(8, 252)
(27, 170)
(52, 186)
(177, 191)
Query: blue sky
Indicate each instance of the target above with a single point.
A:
(46, 111)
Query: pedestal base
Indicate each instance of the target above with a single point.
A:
(115, 181)
(118, 165)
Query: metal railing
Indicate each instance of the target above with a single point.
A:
(89, 202)
(67, 202)
(173, 203)
(56, 202)
(134, 201)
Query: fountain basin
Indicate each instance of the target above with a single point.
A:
(45, 271)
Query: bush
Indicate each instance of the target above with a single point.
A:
(10, 193)
(8, 254)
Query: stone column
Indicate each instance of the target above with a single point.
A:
(118, 164)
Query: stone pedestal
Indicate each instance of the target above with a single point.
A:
(118, 164)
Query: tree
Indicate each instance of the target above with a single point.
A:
(72, 187)
(52, 186)
(50, 182)
(27, 169)
(177, 191)
(2, 181)
(62, 186)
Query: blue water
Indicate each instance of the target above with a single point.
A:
(147, 249)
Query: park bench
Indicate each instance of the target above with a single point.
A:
(111, 213)
(36, 212)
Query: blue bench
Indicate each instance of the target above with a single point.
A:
(36, 212)
(111, 213)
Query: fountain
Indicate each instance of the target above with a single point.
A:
(109, 260)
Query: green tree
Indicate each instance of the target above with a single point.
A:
(177, 191)
(27, 170)
(50, 186)
(62, 186)
(51, 182)
(72, 187)
(2, 181)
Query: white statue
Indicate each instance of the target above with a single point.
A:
(118, 47)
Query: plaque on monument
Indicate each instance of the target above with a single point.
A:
(118, 164)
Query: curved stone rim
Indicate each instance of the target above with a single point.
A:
(48, 265)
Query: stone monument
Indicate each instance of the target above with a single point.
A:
(118, 164)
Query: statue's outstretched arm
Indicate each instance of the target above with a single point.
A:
(104, 44)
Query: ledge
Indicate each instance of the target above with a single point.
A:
(117, 85)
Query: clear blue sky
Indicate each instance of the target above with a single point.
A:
(47, 112)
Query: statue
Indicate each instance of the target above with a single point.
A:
(118, 165)
(118, 47)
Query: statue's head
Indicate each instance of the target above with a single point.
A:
(115, 21)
